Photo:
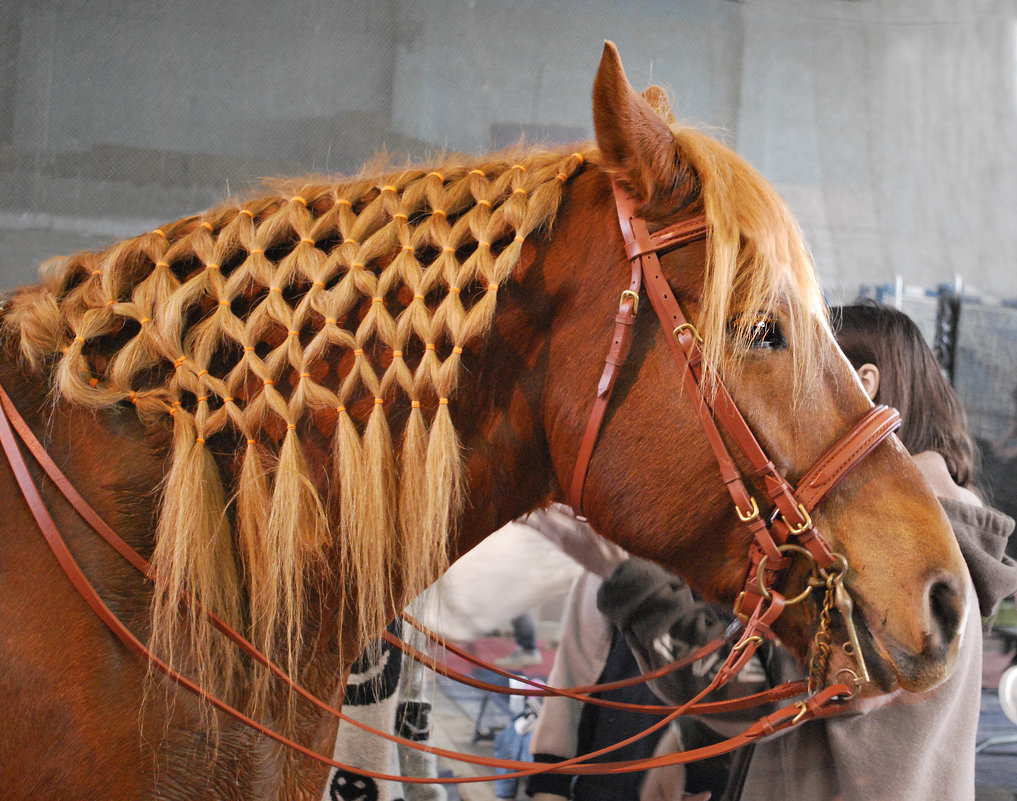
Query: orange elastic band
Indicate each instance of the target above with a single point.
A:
(414, 404)
(518, 167)
(389, 188)
(307, 241)
(291, 426)
(448, 249)
(418, 297)
(400, 214)
(376, 299)
(275, 289)
(519, 238)
(298, 199)
(159, 232)
(268, 382)
(319, 283)
(223, 302)
(519, 189)
(429, 346)
(203, 398)
(157, 264)
(145, 320)
(228, 399)
(397, 354)
(579, 156)
(481, 173)
(250, 441)
(340, 409)
(357, 265)
(99, 272)
(344, 201)
(248, 348)
(562, 177)
(78, 338)
(455, 289)
(457, 349)
(207, 225)
(93, 382)
(484, 203)
(305, 375)
(248, 212)
(132, 396)
(492, 286)
(348, 241)
(199, 440)
(378, 401)
(443, 401)
(358, 352)
(439, 211)
(200, 373)
(293, 333)
(260, 251)
(483, 244)
(213, 266)
(331, 320)
(438, 175)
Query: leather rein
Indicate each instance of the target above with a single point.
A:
(758, 605)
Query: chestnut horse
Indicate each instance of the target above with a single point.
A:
(301, 407)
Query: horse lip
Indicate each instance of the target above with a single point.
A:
(879, 664)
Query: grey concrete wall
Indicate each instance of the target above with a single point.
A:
(888, 124)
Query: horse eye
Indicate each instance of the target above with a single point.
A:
(764, 333)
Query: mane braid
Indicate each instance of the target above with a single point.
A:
(287, 336)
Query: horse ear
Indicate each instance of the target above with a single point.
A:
(636, 141)
(659, 102)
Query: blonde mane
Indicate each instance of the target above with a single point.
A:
(307, 323)
(278, 325)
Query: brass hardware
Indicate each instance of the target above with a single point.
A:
(752, 514)
(687, 327)
(628, 293)
(741, 646)
(786, 548)
(803, 527)
(803, 709)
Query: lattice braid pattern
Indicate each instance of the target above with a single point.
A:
(279, 322)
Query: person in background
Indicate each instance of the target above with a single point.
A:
(900, 747)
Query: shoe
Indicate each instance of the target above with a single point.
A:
(521, 657)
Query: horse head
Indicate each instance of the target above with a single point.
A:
(653, 485)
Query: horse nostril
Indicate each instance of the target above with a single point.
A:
(946, 610)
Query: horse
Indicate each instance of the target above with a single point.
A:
(301, 407)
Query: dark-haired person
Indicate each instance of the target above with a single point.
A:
(901, 747)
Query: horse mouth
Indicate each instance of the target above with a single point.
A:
(889, 666)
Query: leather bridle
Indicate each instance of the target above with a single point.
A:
(789, 529)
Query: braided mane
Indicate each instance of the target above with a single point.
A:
(289, 325)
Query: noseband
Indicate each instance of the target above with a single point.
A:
(789, 528)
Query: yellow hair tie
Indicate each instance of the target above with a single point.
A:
(389, 188)
(307, 241)
(305, 375)
(250, 441)
(340, 409)
(519, 189)
(519, 238)
(212, 266)
(358, 352)
(344, 201)
(78, 338)
(397, 354)
(298, 199)
(400, 214)
(481, 173)
(483, 244)
(429, 346)
(455, 289)
(457, 349)
(199, 374)
(357, 265)
(268, 382)
(207, 225)
(291, 426)
(492, 286)
(132, 397)
(376, 299)
(348, 241)
(99, 271)
(378, 401)
(580, 157)
(157, 264)
(199, 440)
(248, 212)
(319, 283)
(484, 203)
(443, 401)
(562, 177)
(223, 302)
(442, 212)
(275, 289)
(418, 297)
(260, 251)
(293, 333)
(331, 320)
(159, 232)
(448, 249)
(437, 175)
(409, 248)
(414, 404)
(145, 320)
